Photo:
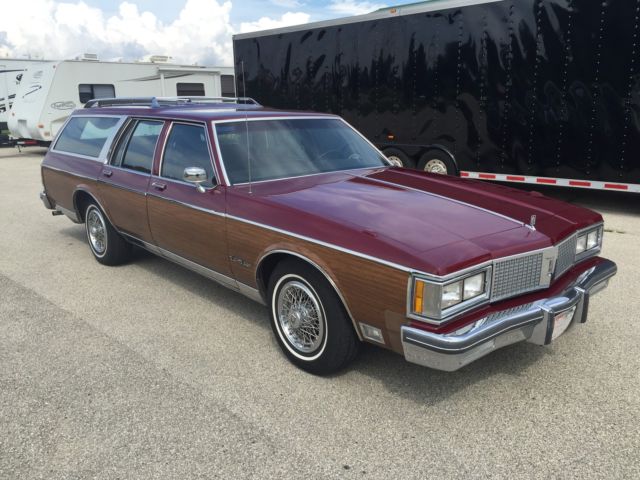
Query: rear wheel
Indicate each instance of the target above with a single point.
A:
(437, 161)
(309, 321)
(107, 246)
(398, 158)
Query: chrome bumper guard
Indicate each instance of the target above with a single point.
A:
(534, 323)
(46, 201)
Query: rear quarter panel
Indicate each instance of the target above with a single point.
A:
(63, 175)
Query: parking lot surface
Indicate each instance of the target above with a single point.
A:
(151, 371)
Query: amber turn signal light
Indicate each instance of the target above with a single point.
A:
(418, 296)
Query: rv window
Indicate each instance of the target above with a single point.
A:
(186, 147)
(190, 89)
(86, 135)
(89, 91)
(140, 146)
(227, 84)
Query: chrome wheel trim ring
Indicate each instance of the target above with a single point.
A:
(96, 231)
(436, 166)
(300, 318)
(395, 161)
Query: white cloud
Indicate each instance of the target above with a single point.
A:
(59, 30)
(351, 7)
(265, 23)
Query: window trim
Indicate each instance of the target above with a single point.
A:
(103, 155)
(122, 131)
(209, 148)
(289, 117)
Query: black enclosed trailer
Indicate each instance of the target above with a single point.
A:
(537, 91)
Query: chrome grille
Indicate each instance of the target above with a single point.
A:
(566, 255)
(517, 275)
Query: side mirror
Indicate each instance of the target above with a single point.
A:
(197, 176)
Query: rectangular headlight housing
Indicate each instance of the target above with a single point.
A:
(435, 301)
(589, 242)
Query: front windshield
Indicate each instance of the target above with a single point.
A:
(281, 148)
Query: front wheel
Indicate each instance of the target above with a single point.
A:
(309, 321)
(106, 244)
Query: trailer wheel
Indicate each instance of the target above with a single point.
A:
(398, 158)
(437, 161)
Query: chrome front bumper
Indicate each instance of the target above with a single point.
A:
(534, 323)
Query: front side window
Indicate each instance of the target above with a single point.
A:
(186, 147)
(282, 148)
(89, 91)
(86, 135)
(137, 146)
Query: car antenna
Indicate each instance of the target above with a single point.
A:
(246, 124)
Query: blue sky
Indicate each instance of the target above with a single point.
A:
(189, 31)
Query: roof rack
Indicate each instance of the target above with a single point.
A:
(156, 102)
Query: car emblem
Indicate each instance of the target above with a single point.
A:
(532, 222)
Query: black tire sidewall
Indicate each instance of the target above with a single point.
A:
(436, 154)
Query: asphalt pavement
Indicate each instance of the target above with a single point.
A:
(150, 371)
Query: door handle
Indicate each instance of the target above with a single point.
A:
(107, 173)
(159, 186)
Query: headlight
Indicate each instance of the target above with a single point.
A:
(589, 242)
(436, 301)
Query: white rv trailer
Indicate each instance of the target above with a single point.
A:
(11, 72)
(49, 92)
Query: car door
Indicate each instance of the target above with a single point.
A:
(124, 180)
(186, 224)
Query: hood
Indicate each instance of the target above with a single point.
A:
(420, 221)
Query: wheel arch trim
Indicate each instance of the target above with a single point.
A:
(81, 189)
(315, 265)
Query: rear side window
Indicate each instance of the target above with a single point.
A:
(186, 147)
(86, 135)
(137, 146)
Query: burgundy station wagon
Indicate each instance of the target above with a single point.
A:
(300, 212)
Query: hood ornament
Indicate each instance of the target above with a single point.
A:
(532, 222)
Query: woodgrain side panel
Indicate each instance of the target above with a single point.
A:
(127, 210)
(195, 235)
(60, 186)
(375, 294)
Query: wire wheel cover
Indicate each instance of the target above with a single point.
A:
(300, 316)
(97, 231)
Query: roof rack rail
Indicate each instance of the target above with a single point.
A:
(156, 102)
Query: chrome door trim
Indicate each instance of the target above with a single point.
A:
(217, 277)
(184, 204)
